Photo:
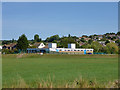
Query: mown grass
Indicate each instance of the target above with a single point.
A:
(34, 70)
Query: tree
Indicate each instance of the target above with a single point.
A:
(114, 37)
(96, 46)
(118, 33)
(69, 35)
(82, 40)
(84, 36)
(52, 38)
(112, 47)
(13, 40)
(104, 38)
(22, 43)
(108, 37)
(117, 41)
(107, 41)
(86, 46)
(36, 38)
(90, 41)
(91, 36)
(65, 41)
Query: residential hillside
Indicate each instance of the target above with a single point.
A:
(106, 43)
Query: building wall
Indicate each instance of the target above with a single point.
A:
(71, 46)
(71, 50)
(52, 45)
(41, 45)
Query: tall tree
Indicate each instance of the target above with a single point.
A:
(52, 38)
(90, 41)
(36, 38)
(69, 35)
(112, 47)
(22, 43)
(107, 41)
(118, 33)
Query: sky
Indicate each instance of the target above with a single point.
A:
(62, 18)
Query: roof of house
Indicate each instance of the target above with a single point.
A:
(46, 46)
(37, 44)
(10, 45)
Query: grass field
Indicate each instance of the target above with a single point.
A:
(58, 69)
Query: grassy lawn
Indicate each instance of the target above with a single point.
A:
(59, 69)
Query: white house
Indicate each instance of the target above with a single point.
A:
(72, 45)
(52, 47)
(39, 45)
(71, 49)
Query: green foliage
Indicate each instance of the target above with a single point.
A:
(108, 37)
(118, 33)
(103, 39)
(82, 40)
(84, 36)
(36, 38)
(52, 38)
(8, 41)
(69, 35)
(114, 37)
(96, 46)
(107, 41)
(22, 43)
(86, 46)
(65, 41)
(112, 47)
(90, 41)
(32, 47)
(61, 69)
(109, 34)
(91, 36)
(8, 51)
(117, 41)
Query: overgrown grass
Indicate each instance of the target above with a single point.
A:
(33, 70)
(77, 83)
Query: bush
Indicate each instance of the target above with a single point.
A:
(7, 51)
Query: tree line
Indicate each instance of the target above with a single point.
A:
(62, 42)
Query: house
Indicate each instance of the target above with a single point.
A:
(80, 37)
(118, 36)
(99, 37)
(86, 39)
(112, 41)
(52, 47)
(70, 50)
(39, 45)
(81, 43)
(102, 43)
(10, 46)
